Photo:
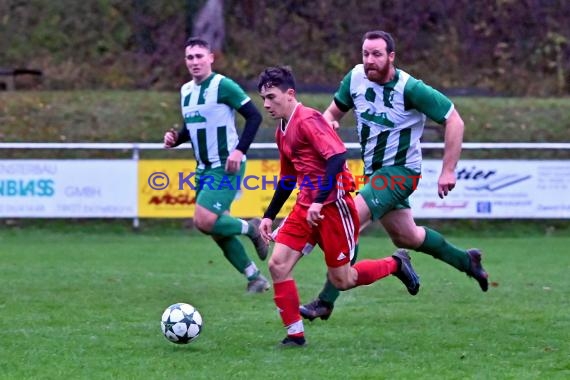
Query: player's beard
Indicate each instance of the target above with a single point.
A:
(379, 74)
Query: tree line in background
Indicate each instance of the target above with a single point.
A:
(509, 47)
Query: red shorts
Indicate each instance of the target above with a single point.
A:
(336, 234)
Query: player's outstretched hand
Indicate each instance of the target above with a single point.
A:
(170, 138)
(266, 229)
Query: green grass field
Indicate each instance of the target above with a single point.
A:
(81, 305)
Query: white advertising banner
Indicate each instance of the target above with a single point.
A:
(68, 188)
(491, 189)
(495, 189)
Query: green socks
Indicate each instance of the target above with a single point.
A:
(436, 246)
(229, 226)
(329, 294)
(235, 253)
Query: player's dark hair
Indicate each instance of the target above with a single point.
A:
(380, 34)
(197, 41)
(279, 76)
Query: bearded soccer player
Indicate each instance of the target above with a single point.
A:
(391, 108)
(313, 157)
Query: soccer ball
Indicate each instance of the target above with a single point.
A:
(181, 323)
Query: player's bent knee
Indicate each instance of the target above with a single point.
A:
(278, 270)
(406, 241)
(401, 242)
(407, 235)
(340, 283)
(204, 226)
(204, 221)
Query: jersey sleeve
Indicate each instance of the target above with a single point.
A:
(342, 95)
(322, 137)
(232, 94)
(427, 100)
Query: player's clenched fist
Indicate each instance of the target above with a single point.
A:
(170, 138)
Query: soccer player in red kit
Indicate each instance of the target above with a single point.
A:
(313, 158)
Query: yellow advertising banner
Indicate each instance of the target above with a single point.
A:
(263, 174)
(159, 194)
(163, 192)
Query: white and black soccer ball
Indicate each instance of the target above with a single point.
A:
(181, 323)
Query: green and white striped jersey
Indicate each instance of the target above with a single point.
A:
(209, 116)
(391, 117)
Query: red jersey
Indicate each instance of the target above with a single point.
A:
(305, 143)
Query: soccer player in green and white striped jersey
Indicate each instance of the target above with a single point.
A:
(208, 103)
(391, 108)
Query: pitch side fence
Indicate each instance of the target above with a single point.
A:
(89, 188)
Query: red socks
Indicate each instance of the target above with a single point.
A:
(370, 271)
(286, 299)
